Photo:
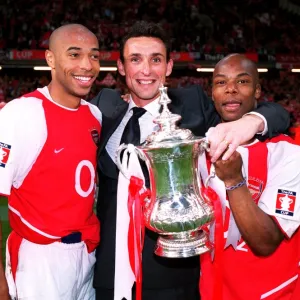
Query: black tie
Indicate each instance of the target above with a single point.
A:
(132, 132)
(132, 135)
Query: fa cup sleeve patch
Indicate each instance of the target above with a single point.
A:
(4, 154)
(285, 202)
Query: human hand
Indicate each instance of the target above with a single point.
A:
(226, 137)
(126, 97)
(230, 170)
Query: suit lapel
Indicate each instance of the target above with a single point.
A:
(110, 124)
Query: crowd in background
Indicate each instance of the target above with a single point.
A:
(283, 88)
(207, 26)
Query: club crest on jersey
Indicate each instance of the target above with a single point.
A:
(285, 202)
(95, 136)
(4, 154)
(255, 186)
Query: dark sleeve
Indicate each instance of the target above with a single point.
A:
(107, 101)
(195, 107)
(96, 100)
(277, 117)
(211, 117)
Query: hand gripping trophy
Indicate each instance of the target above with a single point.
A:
(176, 208)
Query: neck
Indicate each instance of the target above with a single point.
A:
(60, 96)
(141, 102)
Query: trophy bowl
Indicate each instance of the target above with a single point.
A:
(176, 209)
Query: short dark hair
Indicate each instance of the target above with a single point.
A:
(145, 29)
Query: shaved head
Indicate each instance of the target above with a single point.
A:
(236, 87)
(63, 32)
(241, 59)
(73, 57)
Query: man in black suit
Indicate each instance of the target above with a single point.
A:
(145, 62)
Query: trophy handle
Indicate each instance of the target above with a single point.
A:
(204, 145)
(149, 202)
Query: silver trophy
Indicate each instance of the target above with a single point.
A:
(176, 210)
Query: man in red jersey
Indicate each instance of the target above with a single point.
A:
(259, 189)
(48, 143)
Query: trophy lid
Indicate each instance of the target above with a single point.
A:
(168, 133)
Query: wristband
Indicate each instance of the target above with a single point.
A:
(231, 188)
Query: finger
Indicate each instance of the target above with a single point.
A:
(214, 137)
(222, 147)
(230, 150)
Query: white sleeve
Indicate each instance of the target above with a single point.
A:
(281, 197)
(95, 112)
(22, 135)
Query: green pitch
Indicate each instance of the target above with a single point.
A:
(5, 224)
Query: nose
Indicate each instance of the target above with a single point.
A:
(146, 69)
(231, 87)
(85, 63)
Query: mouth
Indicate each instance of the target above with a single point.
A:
(232, 106)
(84, 81)
(145, 82)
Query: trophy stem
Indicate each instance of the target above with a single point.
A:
(184, 244)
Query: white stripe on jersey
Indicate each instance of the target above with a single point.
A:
(278, 288)
(31, 226)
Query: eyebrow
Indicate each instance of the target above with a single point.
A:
(78, 49)
(152, 54)
(239, 75)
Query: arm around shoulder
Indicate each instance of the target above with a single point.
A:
(278, 119)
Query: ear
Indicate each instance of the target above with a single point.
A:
(121, 68)
(169, 67)
(257, 91)
(50, 59)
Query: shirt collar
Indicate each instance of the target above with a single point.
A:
(152, 108)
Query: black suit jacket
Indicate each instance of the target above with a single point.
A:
(198, 114)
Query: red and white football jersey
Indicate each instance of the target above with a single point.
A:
(47, 167)
(272, 170)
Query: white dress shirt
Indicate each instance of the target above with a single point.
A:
(146, 126)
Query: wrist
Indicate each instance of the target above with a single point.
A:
(257, 121)
(233, 181)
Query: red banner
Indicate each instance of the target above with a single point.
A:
(114, 55)
(182, 56)
(27, 55)
(288, 58)
(40, 55)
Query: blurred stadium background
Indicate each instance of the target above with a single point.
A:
(202, 32)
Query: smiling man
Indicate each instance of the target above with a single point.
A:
(49, 139)
(259, 188)
(242, 88)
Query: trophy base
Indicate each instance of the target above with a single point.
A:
(184, 244)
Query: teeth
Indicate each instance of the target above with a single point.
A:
(145, 81)
(83, 78)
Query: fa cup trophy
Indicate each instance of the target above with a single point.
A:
(176, 209)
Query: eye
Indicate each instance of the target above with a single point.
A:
(74, 55)
(219, 82)
(135, 59)
(243, 81)
(156, 59)
(95, 56)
